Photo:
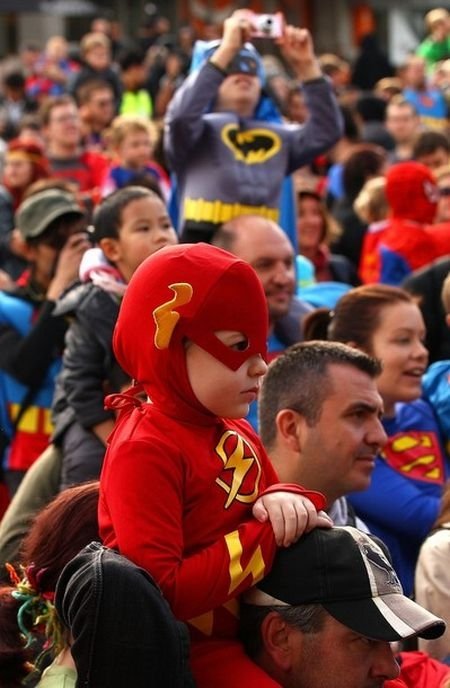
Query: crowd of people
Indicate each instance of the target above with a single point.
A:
(224, 360)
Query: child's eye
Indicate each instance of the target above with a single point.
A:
(241, 345)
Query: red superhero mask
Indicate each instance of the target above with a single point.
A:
(187, 292)
(411, 192)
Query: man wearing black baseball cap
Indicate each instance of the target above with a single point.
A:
(328, 611)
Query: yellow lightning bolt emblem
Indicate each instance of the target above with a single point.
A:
(165, 315)
(256, 566)
(240, 464)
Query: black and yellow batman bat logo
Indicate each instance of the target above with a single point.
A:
(253, 146)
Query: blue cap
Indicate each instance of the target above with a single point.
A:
(248, 60)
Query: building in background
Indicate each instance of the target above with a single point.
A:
(337, 25)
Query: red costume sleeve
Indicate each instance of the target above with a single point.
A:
(188, 542)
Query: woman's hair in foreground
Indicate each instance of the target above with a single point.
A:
(356, 316)
(66, 525)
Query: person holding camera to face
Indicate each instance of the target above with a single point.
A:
(224, 139)
(51, 228)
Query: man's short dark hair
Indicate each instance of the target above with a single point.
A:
(308, 618)
(14, 80)
(87, 89)
(429, 142)
(130, 58)
(298, 379)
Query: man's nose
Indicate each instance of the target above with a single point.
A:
(377, 434)
(283, 274)
(384, 664)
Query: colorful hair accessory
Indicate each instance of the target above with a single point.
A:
(37, 613)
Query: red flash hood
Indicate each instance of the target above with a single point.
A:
(187, 292)
(411, 192)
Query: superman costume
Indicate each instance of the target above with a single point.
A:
(178, 482)
(403, 500)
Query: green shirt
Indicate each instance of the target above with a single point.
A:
(433, 51)
(136, 103)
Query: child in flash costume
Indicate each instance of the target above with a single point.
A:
(179, 482)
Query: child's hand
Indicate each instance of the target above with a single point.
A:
(290, 514)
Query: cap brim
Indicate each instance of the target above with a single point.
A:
(50, 217)
(390, 617)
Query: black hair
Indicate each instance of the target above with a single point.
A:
(130, 58)
(107, 218)
(429, 142)
(371, 108)
(14, 80)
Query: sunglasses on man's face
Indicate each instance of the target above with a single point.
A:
(444, 191)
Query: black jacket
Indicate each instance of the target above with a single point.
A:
(89, 370)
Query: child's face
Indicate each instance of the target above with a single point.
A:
(98, 57)
(134, 77)
(146, 227)
(135, 150)
(17, 173)
(224, 392)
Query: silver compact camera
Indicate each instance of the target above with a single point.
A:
(267, 25)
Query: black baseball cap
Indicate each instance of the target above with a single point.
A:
(348, 574)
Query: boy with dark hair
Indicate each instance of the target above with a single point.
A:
(135, 100)
(432, 148)
(129, 225)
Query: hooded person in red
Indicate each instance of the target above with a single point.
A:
(409, 242)
(181, 485)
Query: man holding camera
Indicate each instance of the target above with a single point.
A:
(52, 229)
(225, 140)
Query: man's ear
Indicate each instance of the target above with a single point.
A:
(277, 642)
(290, 428)
(111, 249)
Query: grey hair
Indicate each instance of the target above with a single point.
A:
(308, 618)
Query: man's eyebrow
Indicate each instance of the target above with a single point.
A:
(364, 406)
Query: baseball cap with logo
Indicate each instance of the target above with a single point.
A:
(348, 574)
(38, 211)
